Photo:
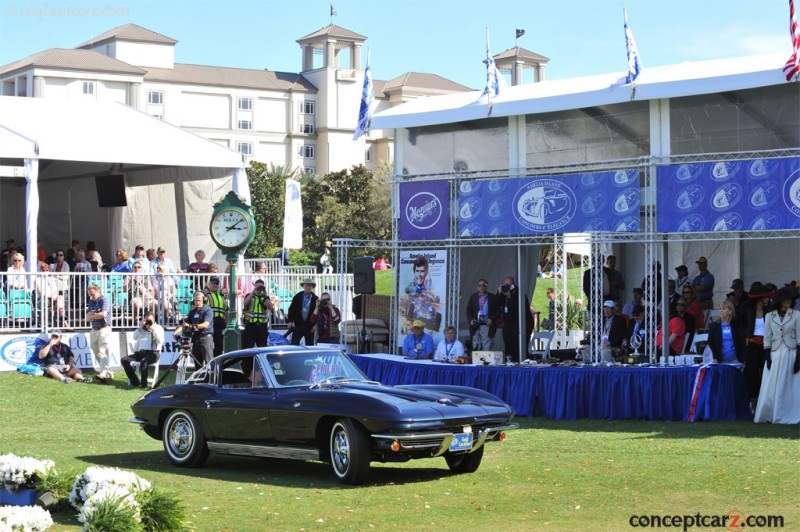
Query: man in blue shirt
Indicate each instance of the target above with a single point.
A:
(99, 316)
(201, 320)
(703, 284)
(418, 344)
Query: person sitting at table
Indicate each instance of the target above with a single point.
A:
(613, 331)
(450, 349)
(677, 337)
(636, 335)
(418, 344)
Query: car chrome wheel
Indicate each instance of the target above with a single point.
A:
(183, 439)
(349, 452)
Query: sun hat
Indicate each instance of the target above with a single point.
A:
(309, 280)
(418, 323)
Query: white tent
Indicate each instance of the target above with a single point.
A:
(172, 177)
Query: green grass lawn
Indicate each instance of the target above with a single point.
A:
(584, 475)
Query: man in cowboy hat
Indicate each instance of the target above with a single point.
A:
(300, 312)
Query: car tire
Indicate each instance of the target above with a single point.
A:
(349, 452)
(184, 441)
(464, 462)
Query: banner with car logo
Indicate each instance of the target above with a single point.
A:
(750, 195)
(578, 203)
(425, 210)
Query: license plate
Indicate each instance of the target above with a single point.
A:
(461, 442)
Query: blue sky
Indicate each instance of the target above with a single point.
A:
(446, 37)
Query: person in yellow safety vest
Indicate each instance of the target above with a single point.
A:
(219, 306)
(257, 309)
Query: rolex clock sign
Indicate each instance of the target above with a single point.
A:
(233, 225)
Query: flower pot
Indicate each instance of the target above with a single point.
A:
(18, 498)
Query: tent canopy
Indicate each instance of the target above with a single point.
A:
(672, 81)
(172, 177)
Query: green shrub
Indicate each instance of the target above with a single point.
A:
(60, 485)
(161, 511)
(112, 515)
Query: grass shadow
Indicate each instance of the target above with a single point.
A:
(269, 471)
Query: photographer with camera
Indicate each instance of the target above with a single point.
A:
(510, 305)
(148, 339)
(327, 318)
(482, 312)
(257, 310)
(199, 326)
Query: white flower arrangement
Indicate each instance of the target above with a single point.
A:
(97, 484)
(22, 472)
(24, 518)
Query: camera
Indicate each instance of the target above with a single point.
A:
(323, 303)
(505, 288)
(260, 290)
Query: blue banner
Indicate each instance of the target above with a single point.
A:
(424, 210)
(754, 195)
(600, 201)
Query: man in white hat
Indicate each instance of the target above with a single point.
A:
(300, 311)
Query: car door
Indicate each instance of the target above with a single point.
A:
(239, 412)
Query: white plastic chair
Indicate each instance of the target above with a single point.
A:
(155, 365)
(540, 343)
(699, 338)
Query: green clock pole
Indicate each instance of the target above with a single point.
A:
(232, 238)
(232, 335)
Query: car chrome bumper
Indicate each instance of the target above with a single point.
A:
(137, 420)
(437, 443)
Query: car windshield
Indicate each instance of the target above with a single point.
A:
(303, 369)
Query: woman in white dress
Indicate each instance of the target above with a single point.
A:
(779, 398)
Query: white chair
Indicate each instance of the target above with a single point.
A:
(540, 343)
(155, 365)
(699, 338)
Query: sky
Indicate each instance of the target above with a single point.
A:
(445, 37)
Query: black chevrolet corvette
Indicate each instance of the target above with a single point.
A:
(315, 404)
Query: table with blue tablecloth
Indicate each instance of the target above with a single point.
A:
(712, 392)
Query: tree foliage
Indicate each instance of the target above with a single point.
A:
(350, 203)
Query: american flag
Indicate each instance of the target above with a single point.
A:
(367, 97)
(792, 66)
(634, 61)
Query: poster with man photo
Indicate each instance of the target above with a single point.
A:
(422, 281)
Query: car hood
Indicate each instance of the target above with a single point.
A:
(434, 401)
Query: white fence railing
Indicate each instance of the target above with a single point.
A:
(48, 300)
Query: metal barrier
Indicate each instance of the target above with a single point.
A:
(50, 300)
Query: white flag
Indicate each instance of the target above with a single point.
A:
(293, 216)
(495, 82)
(367, 97)
(634, 61)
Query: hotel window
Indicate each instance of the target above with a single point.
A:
(307, 128)
(245, 148)
(245, 124)
(160, 117)
(245, 104)
(368, 155)
(307, 108)
(155, 97)
(88, 87)
(309, 170)
(307, 151)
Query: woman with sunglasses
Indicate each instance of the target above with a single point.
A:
(693, 307)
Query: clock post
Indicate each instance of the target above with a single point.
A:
(232, 228)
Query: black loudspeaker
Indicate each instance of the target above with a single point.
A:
(363, 275)
(111, 191)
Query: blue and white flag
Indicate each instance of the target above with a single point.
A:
(634, 61)
(367, 97)
(495, 82)
(293, 216)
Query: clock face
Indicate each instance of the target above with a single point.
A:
(230, 228)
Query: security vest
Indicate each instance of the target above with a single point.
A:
(257, 313)
(217, 303)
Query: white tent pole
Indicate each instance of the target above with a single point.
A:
(32, 211)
